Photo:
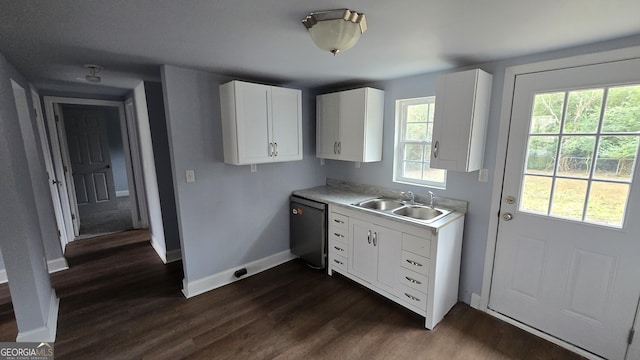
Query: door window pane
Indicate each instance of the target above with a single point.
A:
(616, 157)
(568, 198)
(583, 111)
(607, 203)
(622, 113)
(576, 156)
(536, 192)
(547, 113)
(541, 154)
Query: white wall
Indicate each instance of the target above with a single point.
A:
(229, 216)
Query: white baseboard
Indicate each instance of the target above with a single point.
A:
(215, 281)
(53, 266)
(174, 255)
(122, 193)
(475, 301)
(160, 250)
(56, 265)
(46, 333)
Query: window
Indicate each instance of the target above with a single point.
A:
(414, 128)
(581, 154)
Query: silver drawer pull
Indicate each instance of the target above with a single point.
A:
(413, 263)
(338, 235)
(413, 280)
(338, 262)
(337, 248)
(338, 221)
(412, 297)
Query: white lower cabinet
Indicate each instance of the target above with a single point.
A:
(414, 266)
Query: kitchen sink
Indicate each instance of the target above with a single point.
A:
(421, 212)
(398, 208)
(381, 204)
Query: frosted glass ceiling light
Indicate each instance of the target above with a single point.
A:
(335, 30)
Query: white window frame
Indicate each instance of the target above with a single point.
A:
(400, 142)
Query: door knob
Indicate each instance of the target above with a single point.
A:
(507, 216)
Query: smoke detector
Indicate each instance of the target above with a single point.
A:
(94, 70)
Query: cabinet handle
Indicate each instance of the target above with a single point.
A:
(375, 237)
(413, 263)
(338, 221)
(270, 149)
(335, 147)
(413, 280)
(411, 297)
(369, 237)
(338, 262)
(435, 149)
(338, 235)
(275, 146)
(339, 147)
(339, 249)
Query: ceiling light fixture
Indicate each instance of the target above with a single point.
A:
(94, 70)
(335, 30)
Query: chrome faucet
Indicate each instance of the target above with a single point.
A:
(431, 198)
(411, 196)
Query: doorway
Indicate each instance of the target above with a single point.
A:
(565, 261)
(91, 144)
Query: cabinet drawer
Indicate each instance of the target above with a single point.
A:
(338, 262)
(417, 245)
(417, 263)
(338, 234)
(413, 297)
(414, 280)
(339, 248)
(338, 221)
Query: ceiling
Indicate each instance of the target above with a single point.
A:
(50, 41)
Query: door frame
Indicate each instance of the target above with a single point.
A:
(57, 136)
(501, 155)
(51, 173)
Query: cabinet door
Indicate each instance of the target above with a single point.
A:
(363, 260)
(286, 124)
(252, 109)
(389, 244)
(327, 114)
(352, 117)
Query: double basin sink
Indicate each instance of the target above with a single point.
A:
(424, 213)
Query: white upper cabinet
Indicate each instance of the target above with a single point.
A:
(460, 124)
(260, 123)
(349, 125)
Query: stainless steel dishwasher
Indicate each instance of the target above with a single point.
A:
(308, 231)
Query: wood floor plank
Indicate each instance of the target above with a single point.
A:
(119, 301)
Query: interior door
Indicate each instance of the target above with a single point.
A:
(86, 132)
(566, 260)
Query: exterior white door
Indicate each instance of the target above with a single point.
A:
(567, 254)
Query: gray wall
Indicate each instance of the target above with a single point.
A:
(22, 194)
(463, 186)
(229, 216)
(162, 159)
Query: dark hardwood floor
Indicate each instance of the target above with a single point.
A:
(118, 301)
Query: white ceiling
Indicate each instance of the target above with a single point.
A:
(49, 41)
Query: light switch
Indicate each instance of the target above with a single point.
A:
(191, 176)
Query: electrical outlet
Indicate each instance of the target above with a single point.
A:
(191, 176)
